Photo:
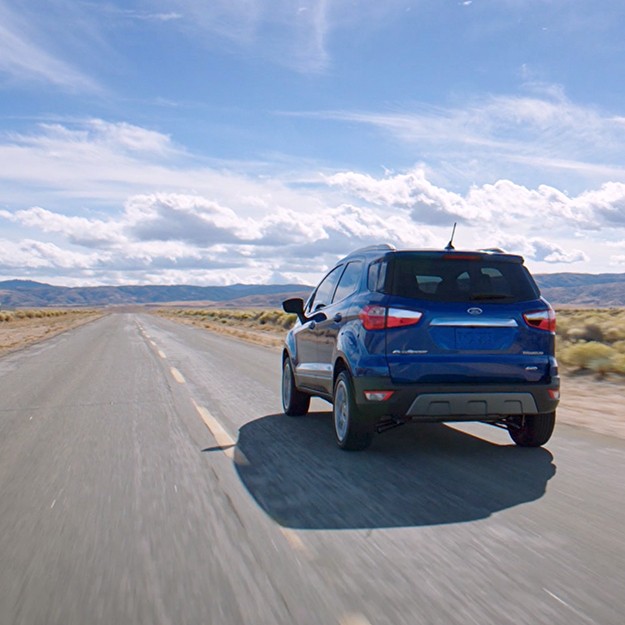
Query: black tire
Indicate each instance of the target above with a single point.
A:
(353, 432)
(532, 430)
(294, 402)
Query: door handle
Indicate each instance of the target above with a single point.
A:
(338, 317)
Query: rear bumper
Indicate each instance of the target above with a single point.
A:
(478, 402)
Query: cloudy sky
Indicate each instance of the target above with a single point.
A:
(220, 141)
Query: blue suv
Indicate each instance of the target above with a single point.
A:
(391, 337)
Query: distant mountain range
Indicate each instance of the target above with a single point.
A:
(583, 289)
(29, 294)
(560, 289)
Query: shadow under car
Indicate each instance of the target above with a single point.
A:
(416, 475)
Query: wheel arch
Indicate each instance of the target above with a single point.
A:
(340, 364)
(289, 349)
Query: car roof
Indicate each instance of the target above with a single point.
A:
(387, 250)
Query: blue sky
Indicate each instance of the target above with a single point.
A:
(212, 142)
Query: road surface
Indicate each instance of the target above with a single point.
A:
(147, 475)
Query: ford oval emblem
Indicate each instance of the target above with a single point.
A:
(475, 311)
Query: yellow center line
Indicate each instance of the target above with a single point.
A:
(294, 540)
(218, 431)
(354, 618)
(177, 375)
(229, 446)
(161, 353)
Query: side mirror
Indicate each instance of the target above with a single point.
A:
(295, 306)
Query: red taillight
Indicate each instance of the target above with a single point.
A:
(373, 317)
(397, 317)
(378, 317)
(541, 319)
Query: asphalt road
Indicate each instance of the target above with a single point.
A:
(147, 476)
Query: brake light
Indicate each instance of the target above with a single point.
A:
(398, 318)
(460, 256)
(373, 317)
(541, 319)
(378, 317)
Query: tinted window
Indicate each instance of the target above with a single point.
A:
(444, 280)
(349, 281)
(323, 294)
(376, 276)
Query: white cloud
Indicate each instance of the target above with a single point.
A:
(173, 232)
(607, 204)
(292, 33)
(77, 230)
(191, 219)
(130, 137)
(539, 249)
(26, 54)
(95, 138)
(501, 203)
(106, 163)
(428, 203)
(28, 254)
(125, 203)
(544, 130)
(278, 29)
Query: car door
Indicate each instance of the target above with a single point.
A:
(309, 371)
(337, 314)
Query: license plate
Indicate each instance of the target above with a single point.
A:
(476, 338)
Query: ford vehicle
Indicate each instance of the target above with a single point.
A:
(391, 337)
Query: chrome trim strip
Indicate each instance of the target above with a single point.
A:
(314, 367)
(483, 322)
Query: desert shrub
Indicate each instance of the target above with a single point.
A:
(614, 333)
(590, 355)
(575, 334)
(288, 321)
(40, 313)
(618, 364)
(593, 332)
(587, 332)
(619, 346)
(602, 366)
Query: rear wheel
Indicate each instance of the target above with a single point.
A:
(353, 431)
(532, 430)
(294, 402)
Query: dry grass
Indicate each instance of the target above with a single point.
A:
(264, 327)
(21, 328)
(592, 340)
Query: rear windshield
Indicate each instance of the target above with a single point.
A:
(454, 280)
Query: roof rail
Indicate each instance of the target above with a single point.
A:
(382, 247)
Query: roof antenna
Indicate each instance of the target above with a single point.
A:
(450, 245)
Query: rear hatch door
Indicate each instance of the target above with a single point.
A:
(473, 327)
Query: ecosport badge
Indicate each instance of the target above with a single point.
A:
(475, 311)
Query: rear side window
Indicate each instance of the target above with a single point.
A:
(448, 280)
(377, 276)
(349, 281)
